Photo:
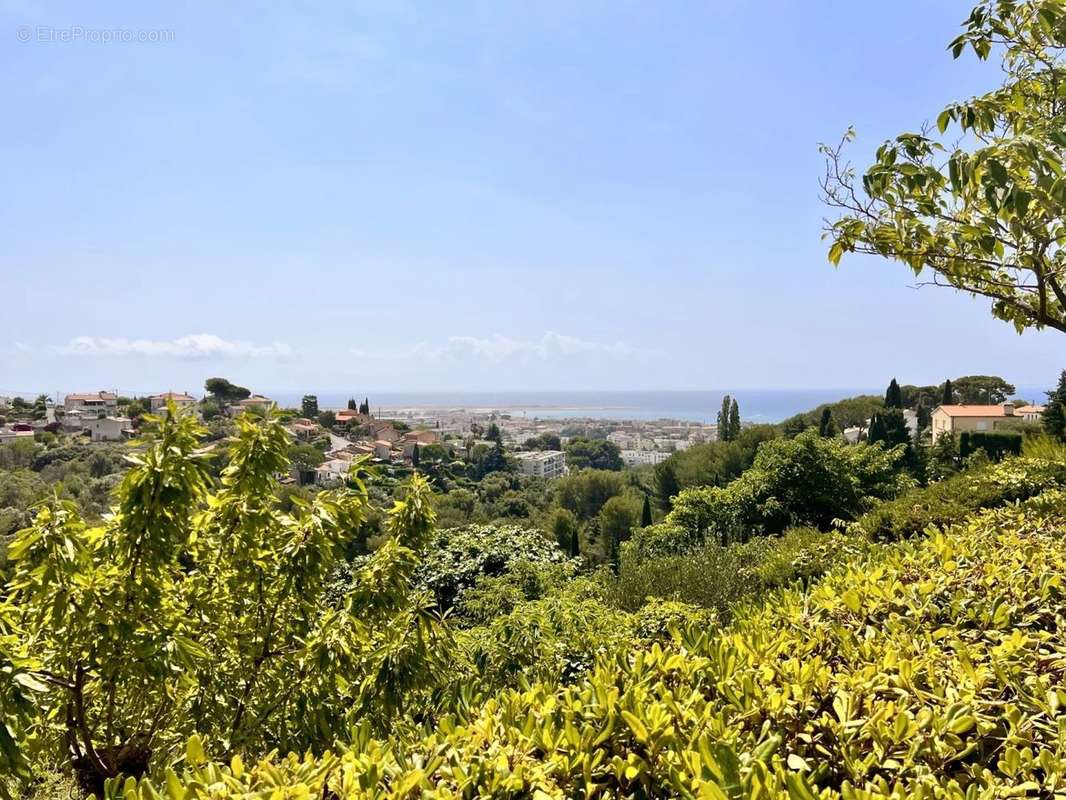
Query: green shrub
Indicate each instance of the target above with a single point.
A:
(806, 480)
(453, 560)
(717, 577)
(953, 499)
(929, 669)
(996, 444)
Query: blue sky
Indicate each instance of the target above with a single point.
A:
(475, 195)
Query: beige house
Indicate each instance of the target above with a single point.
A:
(158, 402)
(98, 404)
(981, 419)
(256, 402)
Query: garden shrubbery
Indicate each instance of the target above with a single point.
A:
(932, 668)
(953, 499)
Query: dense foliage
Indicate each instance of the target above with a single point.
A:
(808, 479)
(930, 669)
(455, 560)
(193, 609)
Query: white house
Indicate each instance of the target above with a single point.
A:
(633, 458)
(542, 463)
(333, 471)
(108, 429)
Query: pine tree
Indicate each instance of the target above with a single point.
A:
(645, 513)
(1055, 412)
(667, 487)
(948, 399)
(309, 406)
(826, 427)
(734, 420)
(893, 395)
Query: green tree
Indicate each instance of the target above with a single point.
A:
(493, 433)
(327, 419)
(617, 519)
(981, 389)
(565, 528)
(199, 609)
(352, 405)
(664, 479)
(947, 398)
(309, 406)
(725, 430)
(734, 420)
(979, 205)
(584, 453)
(889, 427)
(415, 456)
(826, 426)
(1055, 413)
(893, 395)
(943, 457)
(225, 392)
(645, 513)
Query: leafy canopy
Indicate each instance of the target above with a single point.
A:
(980, 203)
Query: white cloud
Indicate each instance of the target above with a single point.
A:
(498, 348)
(193, 346)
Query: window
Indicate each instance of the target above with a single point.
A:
(982, 425)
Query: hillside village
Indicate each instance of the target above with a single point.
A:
(406, 436)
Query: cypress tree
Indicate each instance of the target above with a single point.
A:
(734, 420)
(948, 398)
(723, 421)
(893, 395)
(645, 513)
(1055, 413)
(575, 543)
(877, 431)
(415, 458)
(351, 404)
(826, 427)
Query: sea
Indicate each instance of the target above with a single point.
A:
(756, 405)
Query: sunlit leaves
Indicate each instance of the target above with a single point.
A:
(988, 218)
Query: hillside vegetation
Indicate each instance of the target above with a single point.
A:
(930, 668)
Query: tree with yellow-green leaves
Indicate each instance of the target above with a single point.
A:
(198, 608)
(977, 204)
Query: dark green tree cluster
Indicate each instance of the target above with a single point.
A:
(225, 392)
(1055, 412)
(309, 406)
(593, 454)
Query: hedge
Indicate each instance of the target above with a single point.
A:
(996, 445)
(955, 498)
(932, 668)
